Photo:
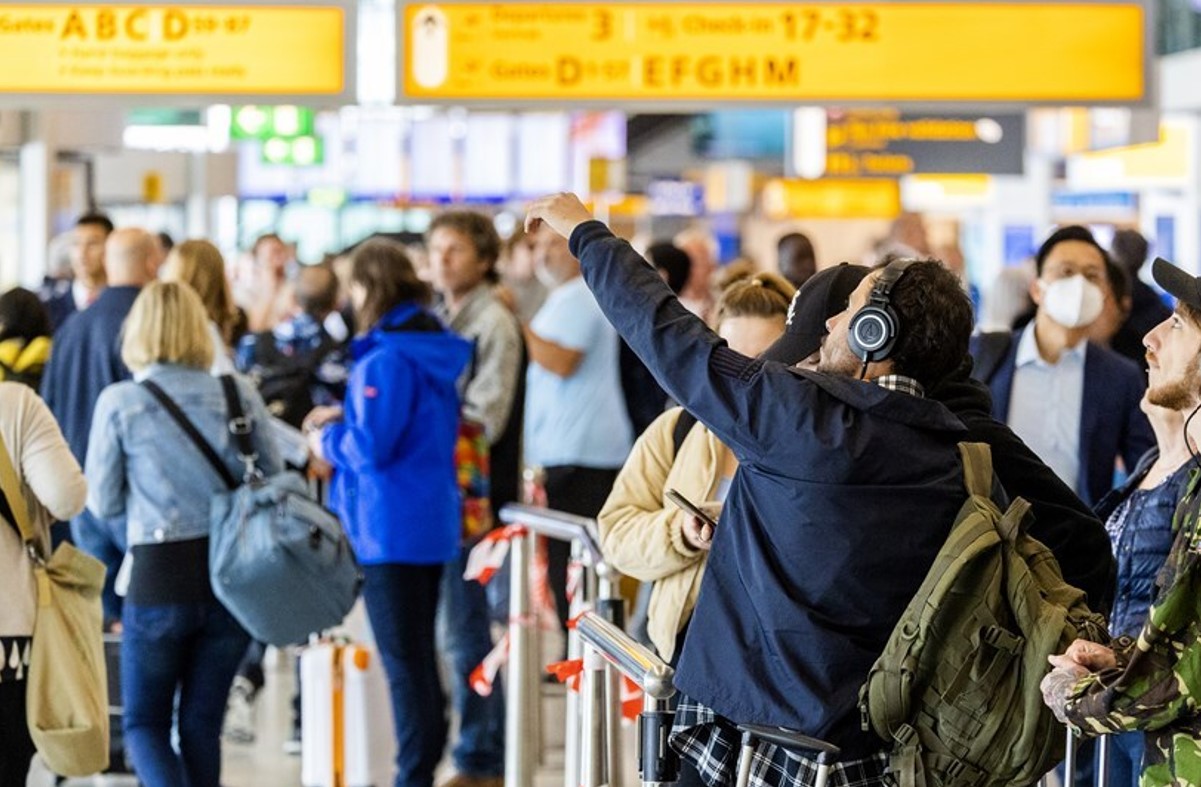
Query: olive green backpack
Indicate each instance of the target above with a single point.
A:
(956, 690)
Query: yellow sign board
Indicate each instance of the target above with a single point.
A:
(832, 199)
(763, 51)
(198, 49)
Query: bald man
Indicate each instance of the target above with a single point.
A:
(86, 360)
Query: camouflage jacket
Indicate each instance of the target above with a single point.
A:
(1156, 686)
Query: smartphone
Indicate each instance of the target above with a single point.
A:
(690, 507)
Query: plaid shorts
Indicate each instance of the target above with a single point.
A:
(712, 745)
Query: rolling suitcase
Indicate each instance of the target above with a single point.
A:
(347, 734)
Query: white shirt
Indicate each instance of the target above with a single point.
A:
(581, 419)
(1045, 404)
(81, 295)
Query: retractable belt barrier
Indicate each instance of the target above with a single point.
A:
(592, 755)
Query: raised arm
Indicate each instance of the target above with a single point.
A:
(725, 390)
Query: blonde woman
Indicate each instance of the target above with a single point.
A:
(200, 265)
(178, 639)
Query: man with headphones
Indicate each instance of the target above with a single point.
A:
(848, 483)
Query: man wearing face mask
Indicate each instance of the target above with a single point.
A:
(576, 424)
(1075, 403)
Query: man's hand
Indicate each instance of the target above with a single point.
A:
(319, 469)
(562, 212)
(698, 534)
(1085, 655)
(1056, 687)
(320, 416)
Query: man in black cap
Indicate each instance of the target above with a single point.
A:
(1061, 520)
(798, 598)
(1151, 683)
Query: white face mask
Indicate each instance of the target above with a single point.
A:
(1073, 302)
(545, 275)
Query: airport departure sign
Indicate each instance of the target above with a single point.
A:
(824, 52)
(197, 49)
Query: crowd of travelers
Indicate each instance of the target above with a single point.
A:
(813, 409)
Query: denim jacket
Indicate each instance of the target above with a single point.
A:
(141, 464)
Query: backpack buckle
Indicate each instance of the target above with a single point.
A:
(904, 735)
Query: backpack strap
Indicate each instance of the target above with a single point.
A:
(10, 487)
(977, 468)
(683, 426)
(241, 427)
(192, 432)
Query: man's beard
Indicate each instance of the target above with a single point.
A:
(841, 362)
(1181, 393)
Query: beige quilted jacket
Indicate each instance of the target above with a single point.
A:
(641, 531)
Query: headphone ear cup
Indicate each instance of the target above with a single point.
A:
(872, 333)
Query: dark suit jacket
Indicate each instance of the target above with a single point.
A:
(1111, 423)
(60, 306)
(86, 360)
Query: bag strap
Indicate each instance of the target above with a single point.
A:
(683, 426)
(192, 432)
(977, 468)
(241, 428)
(10, 486)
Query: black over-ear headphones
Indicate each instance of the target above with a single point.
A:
(875, 328)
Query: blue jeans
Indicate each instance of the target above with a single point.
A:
(103, 539)
(467, 638)
(1125, 759)
(402, 603)
(192, 650)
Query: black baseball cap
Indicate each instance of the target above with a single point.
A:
(824, 295)
(1176, 282)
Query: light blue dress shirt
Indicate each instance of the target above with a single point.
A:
(1045, 405)
(578, 420)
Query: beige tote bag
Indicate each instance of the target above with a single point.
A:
(68, 688)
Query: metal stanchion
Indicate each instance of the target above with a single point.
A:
(521, 685)
(1103, 743)
(575, 650)
(592, 748)
(611, 607)
(657, 764)
(593, 721)
(1069, 760)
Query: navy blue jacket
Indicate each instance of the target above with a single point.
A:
(86, 359)
(1111, 423)
(59, 306)
(844, 494)
(1144, 544)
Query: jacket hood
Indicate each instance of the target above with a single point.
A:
(439, 353)
(962, 394)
